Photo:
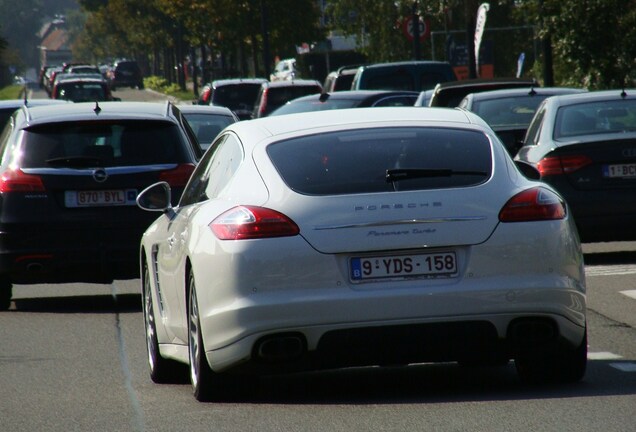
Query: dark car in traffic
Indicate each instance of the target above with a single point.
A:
(69, 179)
(82, 89)
(405, 75)
(125, 73)
(237, 94)
(449, 94)
(585, 146)
(273, 95)
(348, 99)
(509, 111)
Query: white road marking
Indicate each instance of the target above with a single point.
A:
(603, 355)
(608, 270)
(629, 293)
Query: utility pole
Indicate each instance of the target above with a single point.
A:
(415, 19)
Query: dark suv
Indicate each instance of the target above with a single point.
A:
(126, 73)
(69, 180)
(273, 95)
(237, 94)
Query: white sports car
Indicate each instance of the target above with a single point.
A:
(356, 237)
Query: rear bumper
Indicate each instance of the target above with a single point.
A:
(471, 338)
(62, 256)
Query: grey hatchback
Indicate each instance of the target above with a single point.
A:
(69, 180)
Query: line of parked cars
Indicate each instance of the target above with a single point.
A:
(80, 82)
(344, 228)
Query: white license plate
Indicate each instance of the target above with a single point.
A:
(442, 264)
(100, 198)
(620, 171)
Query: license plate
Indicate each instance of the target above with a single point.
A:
(100, 198)
(619, 171)
(432, 265)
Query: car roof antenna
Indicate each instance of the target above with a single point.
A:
(97, 109)
(26, 94)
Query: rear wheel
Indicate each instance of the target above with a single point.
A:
(563, 365)
(6, 291)
(161, 370)
(203, 379)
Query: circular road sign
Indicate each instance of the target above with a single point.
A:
(408, 28)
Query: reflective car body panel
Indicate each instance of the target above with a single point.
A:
(341, 276)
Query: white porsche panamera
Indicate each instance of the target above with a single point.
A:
(360, 237)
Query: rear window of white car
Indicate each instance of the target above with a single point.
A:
(383, 160)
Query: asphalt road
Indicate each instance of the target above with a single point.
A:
(72, 358)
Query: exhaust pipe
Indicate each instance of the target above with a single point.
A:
(279, 348)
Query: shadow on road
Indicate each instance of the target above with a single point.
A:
(122, 303)
(430, 383)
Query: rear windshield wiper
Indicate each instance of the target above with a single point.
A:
(393, 175)
(76, 162)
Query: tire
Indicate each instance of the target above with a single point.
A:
(6, 292)
(162, 370)
(202, 378)
(562, 365)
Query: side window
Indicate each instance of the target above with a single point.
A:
(214, 171)
(532, 136)
(223, 165)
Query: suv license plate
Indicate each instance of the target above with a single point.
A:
(442, 264)
(100, 198)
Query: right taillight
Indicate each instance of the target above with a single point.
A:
(179, 176)
(16, 180)
(534, 204)
(251, 222)
(556, 165)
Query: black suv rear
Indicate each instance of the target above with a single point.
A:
(126, 73)
(69, 179)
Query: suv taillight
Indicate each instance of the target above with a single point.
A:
(17, 181)
(263, 103)
(251, 222)
(536, 204)
(177, 177)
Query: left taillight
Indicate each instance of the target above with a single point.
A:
(177, 177)
(556, 165)
(536, 204)
(251, 222)
(16, 180)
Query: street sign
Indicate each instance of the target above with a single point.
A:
(409, 30)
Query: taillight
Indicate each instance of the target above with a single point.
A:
(263, 102)
(17, 181)
(534, 204)
(250, 222)
(178, 176)
(556, 165)
(205, 97)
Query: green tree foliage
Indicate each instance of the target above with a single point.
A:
(593, 41)
(19, 23)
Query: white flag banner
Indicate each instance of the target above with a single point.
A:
(479, 30)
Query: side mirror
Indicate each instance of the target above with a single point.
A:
(156, 197)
